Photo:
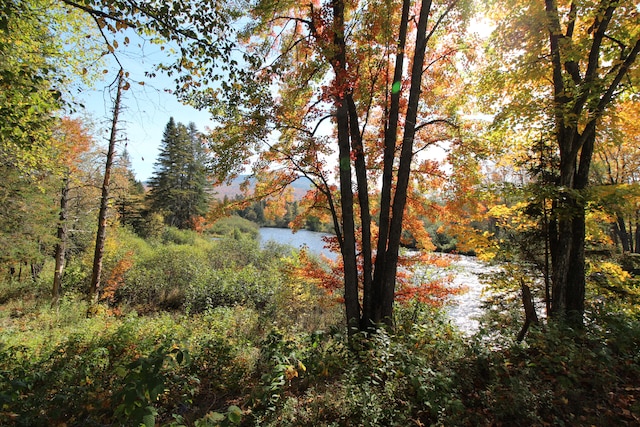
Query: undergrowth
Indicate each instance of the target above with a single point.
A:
(265, 350)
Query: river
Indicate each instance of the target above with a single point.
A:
(302, 238)
(463, 308)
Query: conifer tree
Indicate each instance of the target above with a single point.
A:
(178, 186)
(129, 192)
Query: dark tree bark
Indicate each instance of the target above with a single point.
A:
(374, 313)
(578, 97)
(620, 228)
(94, 287)
(406, 156)
(379, 280)
(348, 243)
(530, 315)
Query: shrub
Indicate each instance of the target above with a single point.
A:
(173, 235)
(229, 287)
(234, 226)
(160, 278)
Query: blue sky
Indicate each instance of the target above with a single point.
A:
(146, 111)
(146, 108)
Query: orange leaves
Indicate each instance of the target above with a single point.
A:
(413, 283)
(71, 139)
(433, 292)
(423, 276)
(116, 278)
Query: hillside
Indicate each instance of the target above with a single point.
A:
(300, 188)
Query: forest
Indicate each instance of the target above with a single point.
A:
(413, 134)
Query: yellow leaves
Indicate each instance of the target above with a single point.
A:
(292, 372)
(597, 228)
(513, 217)
(608, 272)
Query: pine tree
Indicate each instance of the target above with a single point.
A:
(178, 186)
(128, 192)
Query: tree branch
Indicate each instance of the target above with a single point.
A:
(98, 13)
(434, 121)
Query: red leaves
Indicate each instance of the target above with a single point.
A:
(329, 276)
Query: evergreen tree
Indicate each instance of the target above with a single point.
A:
(178, 186)
(128, 192)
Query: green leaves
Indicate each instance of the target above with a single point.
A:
(145, 382)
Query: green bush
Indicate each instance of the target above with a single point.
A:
(234, 226)
(229, 287)
(173, 235)
(161, 278)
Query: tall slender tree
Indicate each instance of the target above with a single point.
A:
(94, 286)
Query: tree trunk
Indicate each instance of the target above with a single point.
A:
(404, 169)
(530, 315)
(374, 315)
(636, 247)
(348, 244)
(365, 211)
(578, 97)
(61, 245)
(569, 262)
(104, 199)
(621, 231)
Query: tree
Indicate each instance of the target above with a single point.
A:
(31, 89)
(28, 93)
(373, 70)
(562, 64)
(336, 59)
(72, 141)
(178, 186)
(616, 173)
(128, 193)
(94, 286)
(28, 214)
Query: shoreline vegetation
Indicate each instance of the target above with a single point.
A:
(196, 332)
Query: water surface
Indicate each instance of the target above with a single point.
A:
(464, 308)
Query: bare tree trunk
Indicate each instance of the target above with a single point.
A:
(622, 233)
(102, 215)
(636, 247)
(547, 259)
(365, 211)
(529, 311)
(61, 245)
